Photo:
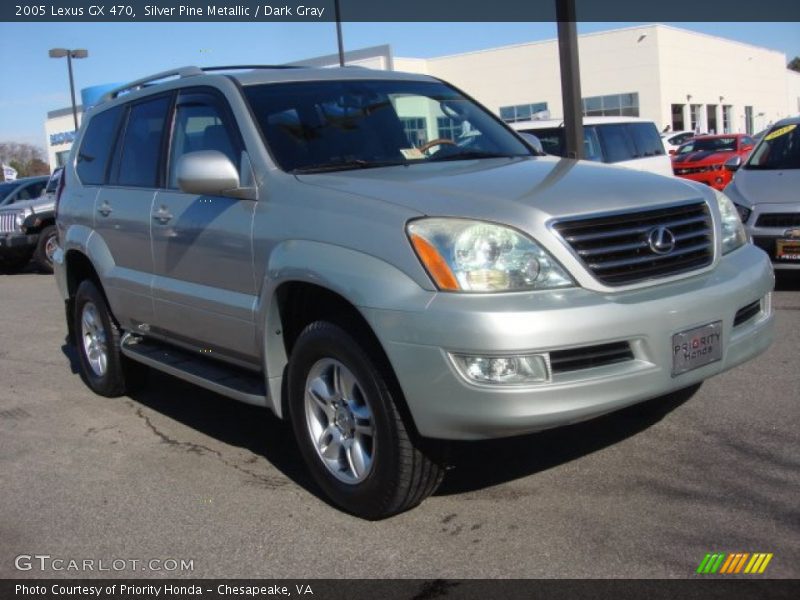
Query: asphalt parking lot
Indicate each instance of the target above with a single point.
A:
(176, 472)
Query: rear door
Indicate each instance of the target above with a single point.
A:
(122, 209)
(204, 288)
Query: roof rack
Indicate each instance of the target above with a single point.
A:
(243, 67)
(140, 83)
(184, 72)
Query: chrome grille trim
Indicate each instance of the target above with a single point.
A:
(8, 221)
(616, 250)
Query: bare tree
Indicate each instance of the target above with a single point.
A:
(27, 159)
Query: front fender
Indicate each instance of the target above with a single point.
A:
(363, 280)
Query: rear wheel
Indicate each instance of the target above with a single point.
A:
(46, 246)
(342, 403)
(103, 366)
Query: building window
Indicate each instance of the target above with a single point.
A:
(727, 118)
(711, 118)
(677, 117)
(694, 117)
(748, 120)
(522, 112)
(416, 130)
(613, 105)
(449, 128)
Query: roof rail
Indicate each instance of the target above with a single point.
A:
(140, 83)
(242, 67)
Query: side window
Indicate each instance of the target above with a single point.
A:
(96, 147)
(199, 126)
(616, 143)
(747, 141)
(141, 144)
(645, 137)
(591, 145)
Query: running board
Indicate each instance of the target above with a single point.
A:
(213, 375)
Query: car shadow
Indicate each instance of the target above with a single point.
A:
(482, 464)
(787, 281)
(473, 465)
(71, 353)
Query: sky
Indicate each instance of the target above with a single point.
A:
(34, 84)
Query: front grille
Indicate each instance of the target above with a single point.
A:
(778, 220)
(746, 313)
(617, 250)
(8, 221)
(692, 170)
(586, 357)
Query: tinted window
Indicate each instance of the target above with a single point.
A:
(141, 144)
(31, 191)
(96, 146)
(552, 139)
(646, 138)
(199, 126)
(617, 144)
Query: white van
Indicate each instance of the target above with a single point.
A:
(624, 141)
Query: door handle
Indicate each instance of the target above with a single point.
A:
(104, 209)
(162, 215)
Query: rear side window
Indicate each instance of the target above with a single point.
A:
(96, 146)
(646, 138)
(141, 144)
(617, 144)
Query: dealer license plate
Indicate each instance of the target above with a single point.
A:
(696, 347)
(787, 249)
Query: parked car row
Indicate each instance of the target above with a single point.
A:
(27, 222)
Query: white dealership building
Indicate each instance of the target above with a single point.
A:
(677, 78)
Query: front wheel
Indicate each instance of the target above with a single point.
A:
(45, 248)
(342, 404)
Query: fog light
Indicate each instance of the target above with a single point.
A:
(504, 370)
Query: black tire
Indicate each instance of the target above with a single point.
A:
(40, 256)
(402, 472)
(121, 375)
(14, 264)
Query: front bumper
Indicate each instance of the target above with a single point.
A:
(765, 237)
(17, 242)
(716, 179)
(444, 405)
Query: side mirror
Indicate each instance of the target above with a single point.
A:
(532, 141)
(207, 172)
(733, 163)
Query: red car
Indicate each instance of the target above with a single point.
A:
(703, 158)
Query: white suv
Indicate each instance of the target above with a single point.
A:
(623, 141)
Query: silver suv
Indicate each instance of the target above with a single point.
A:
(380, 260)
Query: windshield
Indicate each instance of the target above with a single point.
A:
(6, 189)
(779, 149)
(336, 125)
(722, 144)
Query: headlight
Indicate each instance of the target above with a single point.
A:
(475, 256)
(744, 212)
(733, 234)
(21, 216)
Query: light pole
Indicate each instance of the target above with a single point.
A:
(70, 54)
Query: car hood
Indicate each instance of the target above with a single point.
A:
(37, 205)
(701, 158)
(504, 190)
(767, 187)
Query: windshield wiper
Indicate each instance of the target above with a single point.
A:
(467, 154)
(346, 165)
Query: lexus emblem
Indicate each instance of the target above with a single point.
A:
(661, 240)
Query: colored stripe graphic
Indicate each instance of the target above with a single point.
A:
(734, 563)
